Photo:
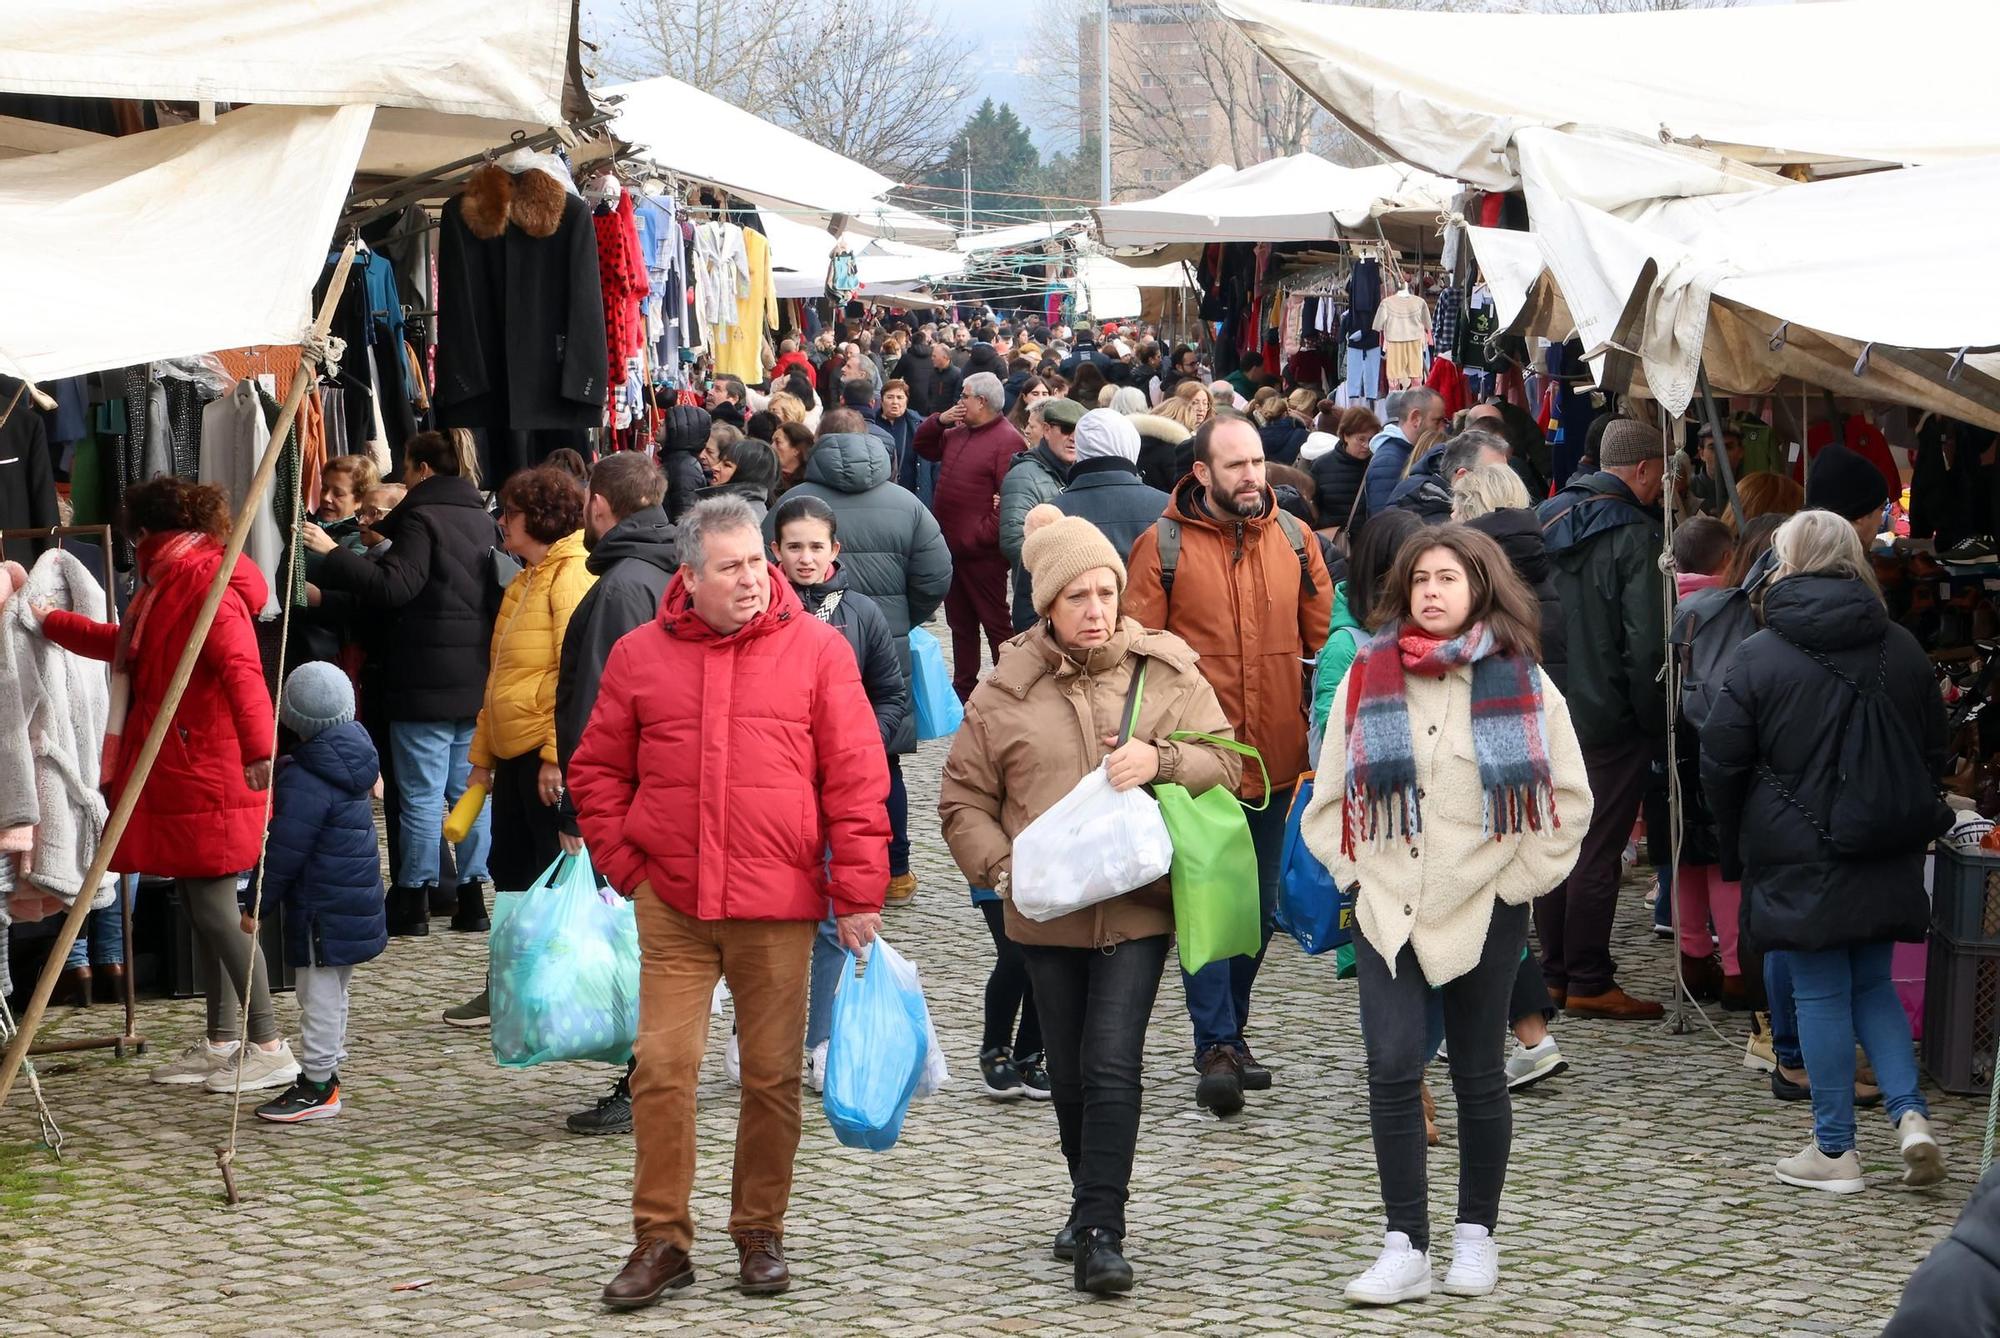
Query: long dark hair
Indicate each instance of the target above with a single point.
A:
(1371, 554)
(756, 465)
(1500, 599)
(1019, 418)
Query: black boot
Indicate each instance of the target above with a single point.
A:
(470, 917)
(1100, 1267)
(409, 912)
(443, 901)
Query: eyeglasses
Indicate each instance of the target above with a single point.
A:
(369, 513)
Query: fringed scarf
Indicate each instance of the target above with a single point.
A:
(1509, 737)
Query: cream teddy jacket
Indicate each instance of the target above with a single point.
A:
(1436, 891)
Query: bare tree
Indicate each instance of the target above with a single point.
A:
(874, 81)
(724, 47)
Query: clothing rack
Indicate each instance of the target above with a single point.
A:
(130, 1036)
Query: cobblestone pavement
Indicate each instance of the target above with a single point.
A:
(1640, 1199)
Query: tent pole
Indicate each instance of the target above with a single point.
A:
(128, 798)
(1722, 464)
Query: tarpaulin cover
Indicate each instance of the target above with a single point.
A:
(172, 242)
(1303, 198)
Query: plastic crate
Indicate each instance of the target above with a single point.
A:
(1961, 1014)
(1965, 897)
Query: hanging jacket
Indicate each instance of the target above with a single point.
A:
(1108, 492)
(27, 479)
(1033, 477)
(724, 769)
(436, 583)
(1606, 550)
(197, 817)
(324, 865)
(519, 715)
(631, 567)
(1240, 600)
(972, 466)
(856, 617)
(1780, 713)
(1036, 725)
(1519, 534)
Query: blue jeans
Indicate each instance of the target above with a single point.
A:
(432, 760)
(102, 940)
(827, 959)
(1845, 993)
(1218, 995)
(1784, 1011)
(1663, 904)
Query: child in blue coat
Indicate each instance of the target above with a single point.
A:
(324, 865)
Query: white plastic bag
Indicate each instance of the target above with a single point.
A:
(935, 1074)
(1089, 846)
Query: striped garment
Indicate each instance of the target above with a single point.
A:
(1509, 736)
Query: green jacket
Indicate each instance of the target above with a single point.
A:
(1344, 637)
(1606, 551)
(1034, 477)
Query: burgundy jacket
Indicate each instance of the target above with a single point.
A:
(973, 463)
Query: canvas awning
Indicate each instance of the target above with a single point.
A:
(1109, 288)
(1302, 198)
(1839, 86)
(1020, 234)
(171, 242)
(801, 252)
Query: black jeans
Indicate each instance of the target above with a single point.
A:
(1008, 990)
(527, 833)
(1095, 1006)
(1574, 921)
(1475, 1026)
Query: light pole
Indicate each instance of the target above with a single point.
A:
(1104, 102)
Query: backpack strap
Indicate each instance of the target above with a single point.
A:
(1168, 531)
(1295, 534)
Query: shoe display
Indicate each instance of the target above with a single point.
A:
(611, 1115)
(760, 1268)
(816, 1067)
(1813, 1169)
(652, 1270)
(1475, 1262)
(1529, 1065)
(304, 1100)
(195, 1064)
(901, 888)
(1256, 1078)
(1002, 1079)
(474, 1012)
(1220, 1088)
(1034, 1078)
(469, 915)
(1970, 551)
(1400, 1273)
(1614, 1004)
(732, 1060)
(261, 1068)
(1921, 1153)
(1101, 1267)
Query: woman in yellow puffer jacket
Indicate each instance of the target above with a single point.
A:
(514, 743)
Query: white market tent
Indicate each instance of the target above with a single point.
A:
(697, 135)
(1020, 235)
(1301, 198)
(1814, 84)
(1110, 289)
(801, 252)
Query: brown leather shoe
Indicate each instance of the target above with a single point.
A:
(109, 983)
(652, 1270)
(901, 888)
(1615, 1004)
(762, 1271)
(72, 988)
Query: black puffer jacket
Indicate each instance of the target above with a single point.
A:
(1956, 1290)
(437, 586)
(1519, 535)
(1779, 713)
(1606, 551)
(1162, 441)
(1336, 483)
(681, 445)
(633, 564)
(1283, 436)
(860, 620)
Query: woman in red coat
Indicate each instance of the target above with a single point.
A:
(200, 818)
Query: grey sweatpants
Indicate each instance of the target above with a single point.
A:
(235, 963)
(322, 995)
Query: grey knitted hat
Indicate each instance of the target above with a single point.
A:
(317, 697)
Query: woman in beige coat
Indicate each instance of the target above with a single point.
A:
(1461, 798)
(1046, 716)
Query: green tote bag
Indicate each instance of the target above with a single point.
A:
(1217, 914)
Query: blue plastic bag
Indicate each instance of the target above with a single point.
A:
(564, 979)
(1310, 907)
(938, 709)
(878, 1051)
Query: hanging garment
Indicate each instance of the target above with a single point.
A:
(722, 273)
(621, 272)
(1364, 296)
(233, 436)
(520, 329)
(27, 478)
(740, 352)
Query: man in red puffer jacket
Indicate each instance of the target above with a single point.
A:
(976, 445)
(731, 749)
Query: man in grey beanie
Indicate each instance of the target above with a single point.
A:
(1104, 484)
(1604, 534)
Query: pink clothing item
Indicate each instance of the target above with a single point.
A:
(1704, 897)
(1687, 582)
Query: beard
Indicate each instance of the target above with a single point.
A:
(1246, 508)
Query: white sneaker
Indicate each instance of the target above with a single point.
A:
(1921, 1153)
(1400, 1273)
(1813, 1169)
(1528, 1065)
(195, 1064)
(1475, 1262)
(261, 1068)
(816, 1067)
(732, 1060)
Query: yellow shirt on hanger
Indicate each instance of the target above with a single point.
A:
(740, 354)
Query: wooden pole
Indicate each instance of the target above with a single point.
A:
(128, 798)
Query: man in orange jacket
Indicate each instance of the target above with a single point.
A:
(1250, 592)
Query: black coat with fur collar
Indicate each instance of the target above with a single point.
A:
(521, 343)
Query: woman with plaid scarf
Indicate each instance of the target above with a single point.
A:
(1463, 798)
